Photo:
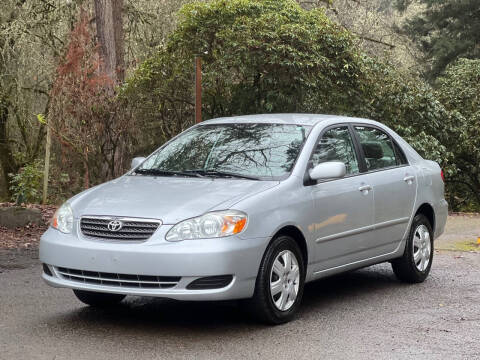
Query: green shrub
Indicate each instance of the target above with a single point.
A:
(459, 90)
(26, 185)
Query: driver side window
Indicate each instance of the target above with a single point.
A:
(337, 145)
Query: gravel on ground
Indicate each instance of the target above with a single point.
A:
(366, 314)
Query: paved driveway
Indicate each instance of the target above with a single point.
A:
(366, 314)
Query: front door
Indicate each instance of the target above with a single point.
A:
(343, 208)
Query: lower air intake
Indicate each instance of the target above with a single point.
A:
(120, 280)
(46, 270)
(210, 282)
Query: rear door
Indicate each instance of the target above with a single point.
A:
(394, 186)
(343, 208)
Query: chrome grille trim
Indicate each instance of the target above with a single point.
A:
(120, 280)
(133, 229)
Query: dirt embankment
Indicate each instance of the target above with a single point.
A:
(28, 236)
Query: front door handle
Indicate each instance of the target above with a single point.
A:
(409, 179)
(365, 188)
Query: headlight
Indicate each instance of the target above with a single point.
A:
(211, 225)
(63, 219)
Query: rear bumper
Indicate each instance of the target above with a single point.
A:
(187, 260)
(441, 214)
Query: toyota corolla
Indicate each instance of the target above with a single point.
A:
(251, 208)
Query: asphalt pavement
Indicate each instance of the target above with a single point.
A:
(365, 314)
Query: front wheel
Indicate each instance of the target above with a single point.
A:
(416, 262)
(97, 299)
(280, 280)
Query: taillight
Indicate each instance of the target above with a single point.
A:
(443, 176)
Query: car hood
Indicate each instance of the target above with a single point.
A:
(170, 199)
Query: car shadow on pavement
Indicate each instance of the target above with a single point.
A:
(367, 283)
(173, 317)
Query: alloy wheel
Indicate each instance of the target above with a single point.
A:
(422, 247)
(284, 280)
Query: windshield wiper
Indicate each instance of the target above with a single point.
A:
(217, 173)
(160, 172)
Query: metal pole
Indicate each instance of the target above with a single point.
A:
(198, 89)
(47, 164)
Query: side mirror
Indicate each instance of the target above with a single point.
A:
(328, 170)
(136, 161)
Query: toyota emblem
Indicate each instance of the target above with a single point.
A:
(115, 225)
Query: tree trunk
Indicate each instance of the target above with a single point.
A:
(7, 161)
(110, 38)
(108, 19)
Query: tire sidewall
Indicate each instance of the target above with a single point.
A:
(278, 245)
(417, 221)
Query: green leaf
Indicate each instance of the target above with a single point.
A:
(41, 119)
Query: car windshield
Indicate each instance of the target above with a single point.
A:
(253, 151)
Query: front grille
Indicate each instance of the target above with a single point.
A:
(120, 280)
(131, 229)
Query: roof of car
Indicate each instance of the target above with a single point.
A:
(294, 119)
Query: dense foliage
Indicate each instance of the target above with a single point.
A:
(459, 90)
(445, 31)
(273, 56)
(34, 38)
(259, 56)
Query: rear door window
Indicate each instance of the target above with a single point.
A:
(401, 158)
(377, 147)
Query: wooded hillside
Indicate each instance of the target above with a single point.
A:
(113, 79)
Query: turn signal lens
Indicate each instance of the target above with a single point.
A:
(211, 225)
(239, 226)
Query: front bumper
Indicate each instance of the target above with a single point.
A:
(187, 260)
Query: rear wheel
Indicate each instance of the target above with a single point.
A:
(416, 262)
(280, 280)
(98, 299)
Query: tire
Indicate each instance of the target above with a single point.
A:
(265, 307)
(97, 299)
(413, 268)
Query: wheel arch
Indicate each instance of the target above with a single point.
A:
(427, 210)
(295, 233)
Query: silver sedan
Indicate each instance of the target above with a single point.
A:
(251, 208)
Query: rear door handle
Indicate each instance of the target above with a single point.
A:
(409, 179)
(365, 188)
